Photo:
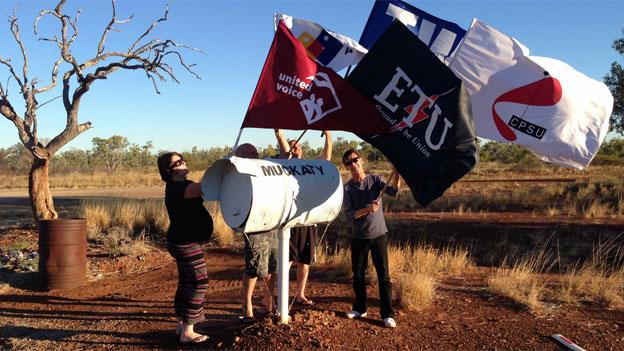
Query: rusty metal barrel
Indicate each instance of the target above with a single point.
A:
(63, 252)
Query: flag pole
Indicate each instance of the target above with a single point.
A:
(240, 131)
(385, 186)
(348, 71)
(297, 141)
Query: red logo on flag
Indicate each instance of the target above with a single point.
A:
(419, 114)
(544, 92)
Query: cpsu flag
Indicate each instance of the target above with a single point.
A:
(543, 104)
(294, 92)
(330, 49)
(431, 140)
(442, 37)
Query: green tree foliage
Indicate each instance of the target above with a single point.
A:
(17, 159)
(506, 153)
(74, 160)
(200, 159)
(370, 153)
(611, 153)
(140, 156)
(340, 146)
(110, 151)
(615, 81)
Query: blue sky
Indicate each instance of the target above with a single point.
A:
(236, 36)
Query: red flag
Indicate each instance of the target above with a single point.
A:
(294, 92)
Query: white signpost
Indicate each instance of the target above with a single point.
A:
(261, 195)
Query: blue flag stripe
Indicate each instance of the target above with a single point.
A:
(441, 36)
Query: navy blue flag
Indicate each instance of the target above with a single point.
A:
(440, 36)
(431, 142)
(325, 47)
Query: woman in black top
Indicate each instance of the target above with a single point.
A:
(190, 225)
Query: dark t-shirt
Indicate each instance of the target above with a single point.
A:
(360, 195)
(190, 222)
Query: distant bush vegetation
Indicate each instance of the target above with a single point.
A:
(118, 154)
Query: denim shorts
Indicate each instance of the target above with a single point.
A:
(260, 254)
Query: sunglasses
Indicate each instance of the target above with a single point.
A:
(352, 161)
(177, 163)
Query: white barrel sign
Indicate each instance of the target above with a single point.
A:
(259, 195)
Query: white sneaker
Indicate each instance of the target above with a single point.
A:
(389, 322)
(355, 314)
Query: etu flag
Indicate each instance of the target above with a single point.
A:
(440, 36)
(543, 104)
(431, 140)
(330, 49)
(294, 92)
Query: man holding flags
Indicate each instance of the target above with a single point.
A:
(362, 207)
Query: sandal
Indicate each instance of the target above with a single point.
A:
(304, 302)
(247, 319)
(197, 340)
(265, 313)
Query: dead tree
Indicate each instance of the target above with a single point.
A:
(154, 57)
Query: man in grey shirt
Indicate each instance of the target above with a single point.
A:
(362, 206)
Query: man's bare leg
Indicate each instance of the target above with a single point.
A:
(267, 300)
(303, 271)
(248, 287)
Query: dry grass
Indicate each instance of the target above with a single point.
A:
(136, 216)
(553, 211)
(143, 216)
(597, 209)
(119, 241)
(599, 280)
(521, 281)
(600, 197)
(430, 261)
(222, 233)
(415, 269)
(415, 291)
(337, 262)
(121, 179)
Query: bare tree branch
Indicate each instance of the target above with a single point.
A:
(153, 82)
(162, 19)
(41, 14)
(52, 84)
(109, 27)
(9, 112)
(66, 88)
(74, 25)
(54, 40)
(49, 101)
(7, 63)
(16, 35)
(67, 135)
(182, 63)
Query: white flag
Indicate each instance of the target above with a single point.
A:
(543, 104)
(330, 49)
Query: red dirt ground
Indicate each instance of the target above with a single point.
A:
(129, 307)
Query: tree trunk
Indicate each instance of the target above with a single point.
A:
(39, 190)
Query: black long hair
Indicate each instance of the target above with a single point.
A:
(163, 165)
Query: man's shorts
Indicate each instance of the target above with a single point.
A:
(303, 242)
(260, 254)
